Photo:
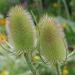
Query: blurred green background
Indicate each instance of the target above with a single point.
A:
(62, 10)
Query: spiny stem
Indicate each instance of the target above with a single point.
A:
(30, 64)
(58, 69)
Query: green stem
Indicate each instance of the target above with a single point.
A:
(58, 69)
(30, 64)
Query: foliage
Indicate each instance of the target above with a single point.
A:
(17, 65)
(6, 4)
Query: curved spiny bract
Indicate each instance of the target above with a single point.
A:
(51, 42)
(21, 29)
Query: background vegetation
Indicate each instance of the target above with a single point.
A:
(63, 10)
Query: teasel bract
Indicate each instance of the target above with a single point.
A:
(52, 44)
(21, 30)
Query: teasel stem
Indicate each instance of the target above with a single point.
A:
(27, 58)
(57, 65)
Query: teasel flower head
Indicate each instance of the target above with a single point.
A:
(21, 29)
(52, 44)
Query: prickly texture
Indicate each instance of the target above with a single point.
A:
(51, 42)
(21, 29)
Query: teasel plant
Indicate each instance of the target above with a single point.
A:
(52, 42)
(21, 34)
(46, 37)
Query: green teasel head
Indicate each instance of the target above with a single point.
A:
(52, 44)
(21, 29)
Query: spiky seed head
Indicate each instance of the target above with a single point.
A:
(21, 29)
(51, 42)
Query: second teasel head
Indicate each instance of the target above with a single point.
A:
(51, 42)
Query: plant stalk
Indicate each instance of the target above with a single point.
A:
(58, 69)
(33, 70)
